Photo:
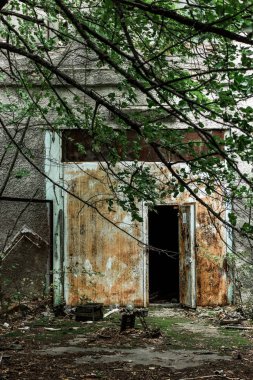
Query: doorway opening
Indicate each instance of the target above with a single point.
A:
(164, 257)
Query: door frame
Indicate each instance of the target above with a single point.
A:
(145, 237)
(188, 297)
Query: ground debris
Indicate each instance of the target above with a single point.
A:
(52, 329)
(230, 316)
(100, 351)
(153, 333)
(250, 328)
(28, 309)
(106, 333)
(230, 321)
(213, 376)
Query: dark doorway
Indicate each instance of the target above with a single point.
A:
(163, 266)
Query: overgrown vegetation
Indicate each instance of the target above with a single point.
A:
(178, 331)
(187, 62)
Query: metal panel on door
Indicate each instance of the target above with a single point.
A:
(187, 264)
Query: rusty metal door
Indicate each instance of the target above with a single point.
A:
(187, 265)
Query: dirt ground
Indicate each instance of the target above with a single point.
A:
(180, 344)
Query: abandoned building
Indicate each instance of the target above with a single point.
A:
(176, 254)
(58, 244)
(52, 242)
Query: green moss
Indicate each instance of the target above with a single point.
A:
(176, 330)
(179, 337)
(16, 333)
(231, 339)
(68, 328)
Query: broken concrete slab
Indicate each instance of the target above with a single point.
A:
(177, 359)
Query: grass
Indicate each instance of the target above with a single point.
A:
(68, 328)
(174, 331)
(179, 337)
(230, 339)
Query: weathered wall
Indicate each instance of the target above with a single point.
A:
(26, 266)
(242, 260)
(105, 265)
(214, 282)
(24, 181)
(96, 261)
(241, 252)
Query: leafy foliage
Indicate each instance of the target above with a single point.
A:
(179, 69)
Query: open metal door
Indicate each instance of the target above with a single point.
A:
(187, 262)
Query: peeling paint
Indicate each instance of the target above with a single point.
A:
(114, 272)
(116, 265)
(187, 280)
(212, 277)
(109, 264)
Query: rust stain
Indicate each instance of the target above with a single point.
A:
(212, 276)
(105, 265)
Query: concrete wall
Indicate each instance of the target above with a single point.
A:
(26, 256)
(46, 154)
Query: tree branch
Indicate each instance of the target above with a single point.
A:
(183, 20)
